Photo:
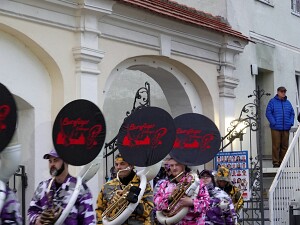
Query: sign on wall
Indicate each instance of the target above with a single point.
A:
(237, 163)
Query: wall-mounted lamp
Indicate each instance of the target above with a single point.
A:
(254, 69)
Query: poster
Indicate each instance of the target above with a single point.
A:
(237, 163)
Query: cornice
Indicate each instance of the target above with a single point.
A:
(272, 42)
(56, 13)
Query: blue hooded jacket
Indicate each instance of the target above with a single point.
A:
(280, 113)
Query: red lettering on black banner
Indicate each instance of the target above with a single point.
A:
(146, 134)
(192, 139)
(77, 132)
(4, 111)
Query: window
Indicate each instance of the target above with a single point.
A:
(296, 6)
(267, 2)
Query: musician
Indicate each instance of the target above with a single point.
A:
(221, 211)
(10, 213)
(197, 206)
(58, 196)
(125, 176)
(223, 180)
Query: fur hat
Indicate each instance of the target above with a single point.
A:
(223, 174)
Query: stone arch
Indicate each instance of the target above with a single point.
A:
(180, 84)
(47, 61)
(183, 89)
(36, 83)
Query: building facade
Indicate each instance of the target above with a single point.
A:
(197, 58)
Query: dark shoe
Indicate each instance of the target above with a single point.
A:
(276, 165)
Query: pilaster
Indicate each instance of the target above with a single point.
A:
(227, 81)
(87, 53)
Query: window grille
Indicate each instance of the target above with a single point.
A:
(296, 6)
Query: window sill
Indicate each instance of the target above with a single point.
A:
(267, 2)
(296, 13)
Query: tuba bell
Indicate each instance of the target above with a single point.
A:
(175, 212)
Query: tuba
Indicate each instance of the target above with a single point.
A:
(175, 212)
(9, 161)
(53, 211)
(119, 208)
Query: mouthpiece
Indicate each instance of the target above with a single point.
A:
(126, 169)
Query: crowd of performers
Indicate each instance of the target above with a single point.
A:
(217, 200)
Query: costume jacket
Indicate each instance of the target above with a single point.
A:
(280, 114)
(236, 196)
(10, 213)
(82, 212)
(196, 214)
(221, 211)
(140, 216)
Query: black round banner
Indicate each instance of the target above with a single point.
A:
(197, 139)
(8, 116)
(146, 136)
(79, 132)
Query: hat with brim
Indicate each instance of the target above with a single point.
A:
(51, 153)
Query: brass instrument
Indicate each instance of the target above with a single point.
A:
(53, 211)
(181, 189)
(118, 203)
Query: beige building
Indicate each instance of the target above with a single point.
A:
(56, 51)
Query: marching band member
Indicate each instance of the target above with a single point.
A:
(50, 199)
(197, 207)
(125, 176)
(10, 213)
(223, 180)
(10, 156)
(221, 211)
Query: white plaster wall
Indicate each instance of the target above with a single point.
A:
(23, 74)
(58, 40)
(214, 7)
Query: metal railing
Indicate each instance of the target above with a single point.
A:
(285, 188)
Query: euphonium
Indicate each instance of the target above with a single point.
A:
(175, 211)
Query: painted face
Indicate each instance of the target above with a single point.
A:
(175, 167)
(56, 166)
(122, 165)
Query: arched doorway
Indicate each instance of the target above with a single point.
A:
(173, 87)
(30, 79)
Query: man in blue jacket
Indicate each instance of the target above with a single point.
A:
(280, 114)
